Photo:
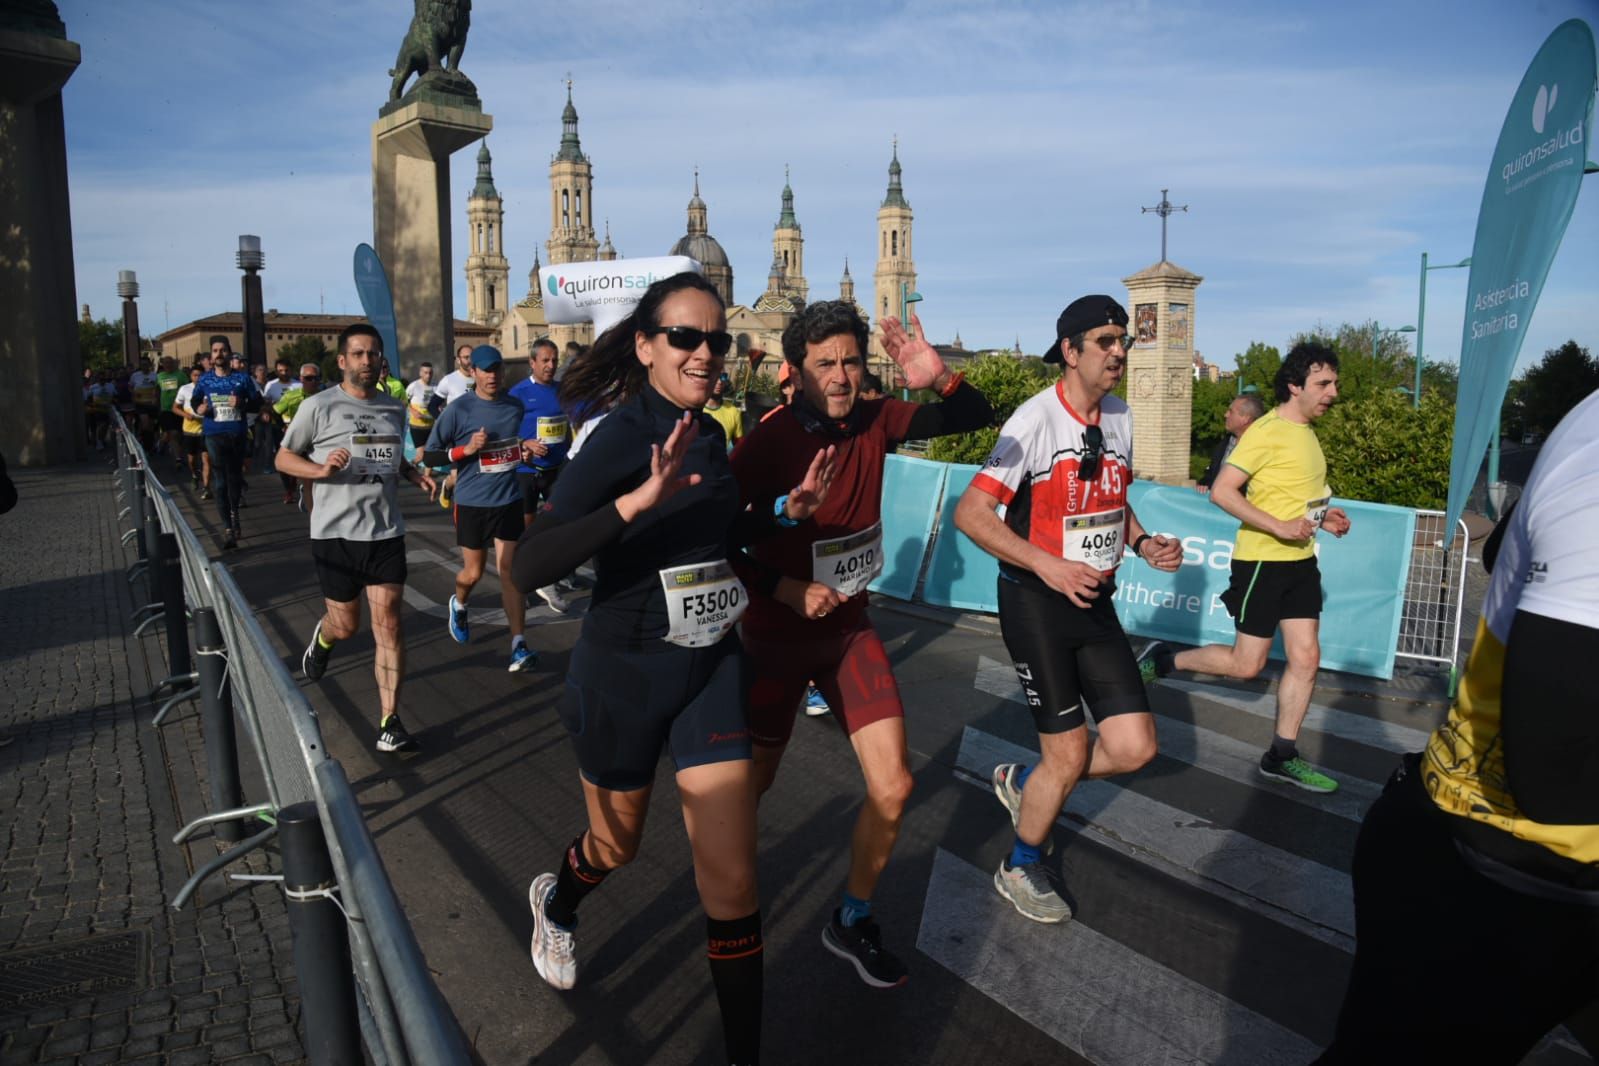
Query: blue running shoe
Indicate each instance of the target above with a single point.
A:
(815, 705)
(522, 658)
(458, 628)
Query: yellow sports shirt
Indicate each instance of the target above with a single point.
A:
(1287, 479)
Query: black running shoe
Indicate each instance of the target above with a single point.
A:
(862, 945)
(314, 663)
(393, 738)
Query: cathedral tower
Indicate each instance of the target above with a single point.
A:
(488, 272)
(788, 245)
(896, 271)
(571, 196)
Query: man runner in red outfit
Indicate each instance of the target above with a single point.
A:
(807, 616)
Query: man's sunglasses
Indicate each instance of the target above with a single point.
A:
(1088, 465)
(310, 377)
(1110, 340)
(688, 339)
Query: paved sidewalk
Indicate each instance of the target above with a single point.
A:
(95, 966)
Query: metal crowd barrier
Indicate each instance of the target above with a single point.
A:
(309, 809)
(1435, 595)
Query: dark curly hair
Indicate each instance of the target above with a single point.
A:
(819, 321)
(1295, 368)
(608, 371)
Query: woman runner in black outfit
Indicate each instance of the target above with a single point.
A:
(658, 663)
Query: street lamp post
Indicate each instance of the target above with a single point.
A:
(128, 289)
(1378, 332)
(252, 262)
(906, 298)
(1421, 316)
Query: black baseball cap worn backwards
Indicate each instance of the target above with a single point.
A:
(1083, 314)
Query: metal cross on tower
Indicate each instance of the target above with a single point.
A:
(1164, 209)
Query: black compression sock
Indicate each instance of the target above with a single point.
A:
(736, 954)
(1282, 749)
(576, 879)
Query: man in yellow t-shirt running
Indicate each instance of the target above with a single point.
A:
(1275, 580)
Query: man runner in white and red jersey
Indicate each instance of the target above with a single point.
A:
(807, 616)
(1061, 469)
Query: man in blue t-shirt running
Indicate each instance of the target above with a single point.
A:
(547, 437)
(480, 434)
(222, 398)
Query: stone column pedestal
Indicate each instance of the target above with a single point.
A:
(41, 408)
(1160, 370)
(411, 149)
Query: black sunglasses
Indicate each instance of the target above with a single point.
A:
(1088, 465)
(1110, 340)
(688, 339)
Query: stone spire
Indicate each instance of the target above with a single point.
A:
(896, 195)
(571, 150)
(786, 220)
(698, 223)
(535, 295)
(607, 250)
(846, 285)
(484, 189)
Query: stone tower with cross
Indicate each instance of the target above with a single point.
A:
(488, 272)
(896, 270)
(571, 211)
(1160, 368)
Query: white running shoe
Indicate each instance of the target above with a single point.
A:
(554, 949)
(1031, 891)
(552, 596)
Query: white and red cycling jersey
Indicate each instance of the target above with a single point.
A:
(1034, 471)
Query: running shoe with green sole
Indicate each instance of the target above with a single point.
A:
(1296, 772)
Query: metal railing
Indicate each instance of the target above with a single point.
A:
(1435, 594)
(402, 1017)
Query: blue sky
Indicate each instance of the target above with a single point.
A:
(1320, 148)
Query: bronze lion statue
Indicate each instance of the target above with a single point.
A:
(437, 34)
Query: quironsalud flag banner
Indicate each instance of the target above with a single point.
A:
(1531, 192)
(377, 303)
(604, 292)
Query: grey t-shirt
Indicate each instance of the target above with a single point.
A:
(360, 502)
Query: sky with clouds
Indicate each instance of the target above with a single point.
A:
(1321, 148)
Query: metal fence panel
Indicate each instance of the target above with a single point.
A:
(1435, 592)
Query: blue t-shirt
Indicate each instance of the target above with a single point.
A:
(227, 401)
(543, 420)
(487, 479)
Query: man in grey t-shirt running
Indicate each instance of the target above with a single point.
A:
(348, 440)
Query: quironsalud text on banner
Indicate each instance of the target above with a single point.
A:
(604, 292)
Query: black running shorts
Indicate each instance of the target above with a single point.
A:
(194, 443)
(536, 487)
(345, 567)
(479, 527)
(419, 438)
(1264, 593)
(169, 422)
(623, 706)
(1065, 655)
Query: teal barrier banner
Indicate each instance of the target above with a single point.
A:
(961, 575)
(1363, 579)
(1363, 575)
(1531, 192)
(911, 489)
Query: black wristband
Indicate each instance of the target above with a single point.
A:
(1139, 543)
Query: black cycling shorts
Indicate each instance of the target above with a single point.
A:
(1065, 655)
(536, 487)
(1262, 594)
(479, 527)
(345, 567)
(623, 706)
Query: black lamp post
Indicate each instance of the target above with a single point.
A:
(128, 289)
(252, 262)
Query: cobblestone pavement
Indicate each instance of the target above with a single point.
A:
(92, 796)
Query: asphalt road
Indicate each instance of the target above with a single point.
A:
(1214, 917)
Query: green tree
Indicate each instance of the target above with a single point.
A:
(1258, 367)
(1211, 400)
(303, 350)
(1007, 382)
(1379, 449)
(100, 341)
(1359, 373)
(1554, 385)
